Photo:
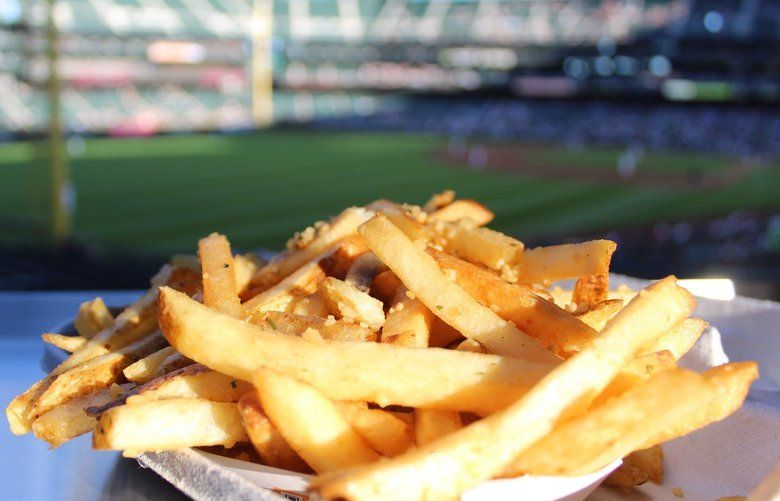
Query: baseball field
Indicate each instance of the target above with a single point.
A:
(159, 195)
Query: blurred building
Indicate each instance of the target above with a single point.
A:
(139, 67)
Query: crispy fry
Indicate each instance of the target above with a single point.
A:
(448, 301)
(408, 322)
(519, 304)
(309, 244)
(145, 369)
(363, 270)
(67, 343)
(93, 316)
(312, 306)
(439, 200)
(349, 303)
(173, 362)
(635, 372)
(590, 291)
(599, 314)
(158, 425)
(680, 339)
(559, 262)
(374, 372)
(430, 425)
(463, 209)
(338, 262)
(297, 325)
(219, 276)
(266, 439)
(246, 265)
(641, 418)
(472, 346)
(477, 245)
(71, 420)
(311, 423)
(384, 432)
(94, 375)
(299, 284)
(385, 286)
(448, 466)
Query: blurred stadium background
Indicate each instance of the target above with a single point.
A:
(655, 123)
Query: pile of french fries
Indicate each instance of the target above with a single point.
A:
(397, 352)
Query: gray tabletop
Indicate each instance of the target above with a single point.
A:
(28, 468)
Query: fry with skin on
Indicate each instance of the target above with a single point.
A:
(93, 316)
(384, 432)
(94, 375)
(447, 300)
(536, 316)
(173, 362)
(145, 370)
(350, 303)
(67, 343)
(310, 243)
(158, 425)
(367, 372)
(193, 381)
(560, 262)
(219, 276)
(430, 425)
(485, 448)
(311, 423)
(71, 420)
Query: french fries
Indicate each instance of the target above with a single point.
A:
(311, 423)
(448, 301)
(380, 373)
(158, 425)
(219, 276)
(266, 439)
(397, 351)
(93, 316)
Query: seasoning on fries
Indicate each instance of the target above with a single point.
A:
(397, 351)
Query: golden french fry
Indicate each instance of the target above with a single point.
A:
(463, 209)
(93, 316)
(477, 245)
(311, 306)
(447, 300)
(193, 381)
(363, 270)
(618, 427)
(281, 296)
(408, 322)
(67, 343)
(246, 265)
(519, 304)
(310, 243)
(680, 339)
(600, 313)
(559, 262)
(219, 276)
(338, 262)
(563, 297)
(590, 290)
(635, 372)
(352, 304)
(297, 325)
(431, 425)
(145, 369)
(376, 372)
(382, 430)
(443, 334)
(266, 439)
(71, 420)
(439, 200)
(94, 375)
(169, 424)
(472, 346)
(174, 362)
(485, 448)
(311, 423)
(385, 285)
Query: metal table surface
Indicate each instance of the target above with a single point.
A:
(28, 468)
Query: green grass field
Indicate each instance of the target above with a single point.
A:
(158, 195)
